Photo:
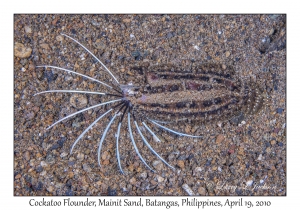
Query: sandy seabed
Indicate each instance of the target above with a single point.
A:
(247, 157)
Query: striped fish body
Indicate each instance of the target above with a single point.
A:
(201, 93)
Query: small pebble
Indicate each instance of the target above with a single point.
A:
(132, 181)
(188, 190)
(158, 165)
(27, 156)
(135, 54)
(50, 189)
(156, 138)
(249, 183)
(39, 169)
(198, 169)
(71, 163)
(279, 110)
(196, 47)
(220, 139)
(105, 162)
(86, 167)
(239, 191)
(50, 159)
(31, 67)
(201, 191)
(227, 54)
(71, 174)
(44, 164)
(80, 156)
(100, 45)
(144, 175)
(126, 20)
(210, 186)
(160, 179)
(208, 162)
(21, 51)
(187, 129)
(111, 192)
(259, 157)
(69, 192)
(153, 182)
(195, 128)
(87, 151)
(276, 130)
(18, 176)
(61, 141)
(78, 101)
(180, 163)
(104, 155)
(28, 30)
(59, 38)
(45, 46)
(169, 35)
